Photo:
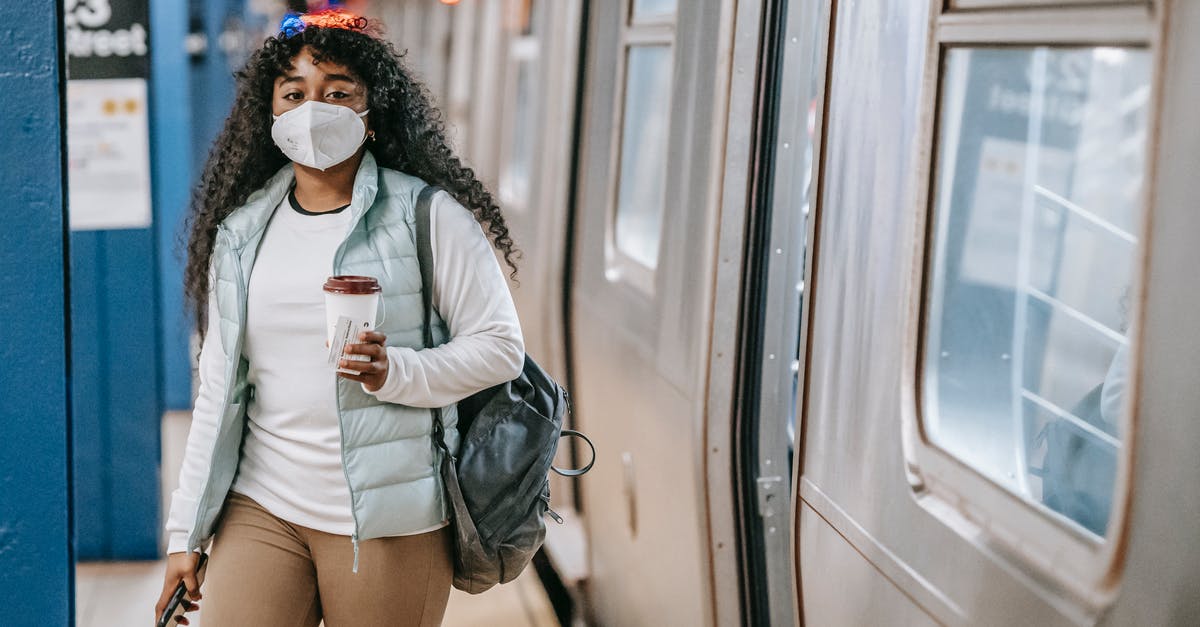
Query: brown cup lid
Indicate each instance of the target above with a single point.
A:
(351, 284)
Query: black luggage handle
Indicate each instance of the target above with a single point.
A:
(577, 471)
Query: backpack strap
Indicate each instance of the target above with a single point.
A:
(425, 258)
(425, 261)
(576, 471)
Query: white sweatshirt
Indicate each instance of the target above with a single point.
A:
(291, 457)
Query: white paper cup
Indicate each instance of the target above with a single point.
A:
(355, 297)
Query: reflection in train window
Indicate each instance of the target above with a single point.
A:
(644, 10)
(515, 182)
(524, 53)
(1038, 208)
(1001, 4)
(643, 153)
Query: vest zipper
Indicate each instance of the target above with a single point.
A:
(354, 539)
(230, 377)
(337, 397)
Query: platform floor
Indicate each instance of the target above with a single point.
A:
(119, 594)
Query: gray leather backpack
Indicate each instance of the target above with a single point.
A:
(498, 484)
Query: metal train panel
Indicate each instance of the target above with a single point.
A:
(651, 319)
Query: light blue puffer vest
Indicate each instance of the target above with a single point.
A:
(388, 454)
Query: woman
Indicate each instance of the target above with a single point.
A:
(319, 491)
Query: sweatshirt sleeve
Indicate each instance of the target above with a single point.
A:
(197, 458)
(469, 291)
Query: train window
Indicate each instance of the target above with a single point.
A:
(516, 179)
(643, 160)
(647, 10)
(1037, 209)
(524, 106)
(988, 4)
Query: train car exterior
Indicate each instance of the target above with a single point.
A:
(877, 310)
(991, 397)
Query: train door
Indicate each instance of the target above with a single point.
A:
(536, 140)
(641, 294)
(536, 134)
(791, 83)
(974, 307)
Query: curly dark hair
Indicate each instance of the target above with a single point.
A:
(409, 136)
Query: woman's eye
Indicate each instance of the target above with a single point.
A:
(338, 95)
(293, 96)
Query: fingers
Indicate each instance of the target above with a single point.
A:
(371, 374)
(363, 367)
(372, 382)
(181, 568)
(374, 337)
(168, 590)
(377, 354)
(376, 351)
(170, 582)
(366, 372)
(165, 598)
(193, 588)
(359, 378)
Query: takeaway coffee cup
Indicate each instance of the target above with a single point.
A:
(356, 297)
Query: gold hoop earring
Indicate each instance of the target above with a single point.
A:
(371, 135)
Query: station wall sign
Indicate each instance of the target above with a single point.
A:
(108, 126)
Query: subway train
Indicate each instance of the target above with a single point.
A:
(879, 312)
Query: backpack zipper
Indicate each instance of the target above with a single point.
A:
(551, 513)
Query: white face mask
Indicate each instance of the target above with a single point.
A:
(318, 134)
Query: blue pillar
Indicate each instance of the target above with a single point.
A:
(36, 552)
(171, 160)
(116, 353)
(213, 85)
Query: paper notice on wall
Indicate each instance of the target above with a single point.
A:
(108, 154)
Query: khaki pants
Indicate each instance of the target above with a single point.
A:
(265, 572)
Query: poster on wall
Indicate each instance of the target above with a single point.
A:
(108, 126)
(108, 154)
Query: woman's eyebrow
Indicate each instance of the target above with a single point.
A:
(329, 77)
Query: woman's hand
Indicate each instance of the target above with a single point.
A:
(372, 373)
(180, 567)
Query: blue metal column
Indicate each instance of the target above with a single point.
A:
(116, 404)
(36, 551)
(171, 159)
(212, 76)
(116, 393)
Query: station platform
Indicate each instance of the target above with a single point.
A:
(118, 594)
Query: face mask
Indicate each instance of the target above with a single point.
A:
(318, 134)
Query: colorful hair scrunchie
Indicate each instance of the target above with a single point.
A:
(295, 23)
